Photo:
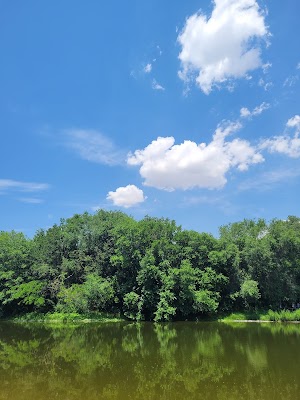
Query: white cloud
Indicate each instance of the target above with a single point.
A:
(31, 200)
(268, 179)
(266, 85)
(298, 65)
(159, 50)
(157, 86)
(224, 46)
(291, 81)
(167, 166)
(91, 145)
(294, 122)
(285, 144)
(127, 196)
(9, 184)
(266, 67)
(148, 68)
(219, 202)
(246, 113)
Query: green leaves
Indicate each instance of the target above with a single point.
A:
(133, 306)
(30, 293)
(149, 269)
(95, 294)
(250, 292)
(206, 301)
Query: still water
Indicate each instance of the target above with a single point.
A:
(185, 360)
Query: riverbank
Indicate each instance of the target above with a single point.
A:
(263, 316)
(244, 316)
(66, 317)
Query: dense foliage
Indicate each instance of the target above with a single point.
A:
(149, 269)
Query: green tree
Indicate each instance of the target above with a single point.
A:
(250, 292)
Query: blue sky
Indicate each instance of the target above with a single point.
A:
(182, 109)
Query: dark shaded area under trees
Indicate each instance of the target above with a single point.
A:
(149, 269)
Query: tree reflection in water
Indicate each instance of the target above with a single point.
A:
(149, 361)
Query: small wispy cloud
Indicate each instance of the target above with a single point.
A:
(31, 200)
(293, 78)
(20, 186)
(196, 200)
(246, 113)
(148, 68)
(266, 85)
(288, 143)
(294, 122)
(157, 86)
(267, 180)
(93, 146)
(291, 81)
(97, 207)
(266, 67)
(219, 202)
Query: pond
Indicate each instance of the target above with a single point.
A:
(183, 360)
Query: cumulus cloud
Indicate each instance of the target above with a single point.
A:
(91, 145)
(224, 46)
(127, 196)
(9, 184)
(246, 113)
(167, 166)
(288, 143)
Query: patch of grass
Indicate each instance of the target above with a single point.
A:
(242, 316)
(58, 317)
(270, 315)
(284, 315)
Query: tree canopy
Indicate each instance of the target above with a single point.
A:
(150, 269)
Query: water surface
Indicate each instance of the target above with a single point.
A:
(185, 360)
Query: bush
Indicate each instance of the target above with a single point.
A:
(284, 315)
(250, 292)
(132, 306)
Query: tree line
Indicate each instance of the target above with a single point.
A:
(150, 269)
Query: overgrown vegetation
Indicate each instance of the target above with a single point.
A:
(150, 269)
(270, 315)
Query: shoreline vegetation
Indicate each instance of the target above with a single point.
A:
(264, 316)
(109, 267)
(283, 316)
(58, 317)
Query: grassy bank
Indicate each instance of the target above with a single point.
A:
(271, 316)
(253, 315)
(66, 317)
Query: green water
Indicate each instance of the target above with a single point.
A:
(185, 360)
